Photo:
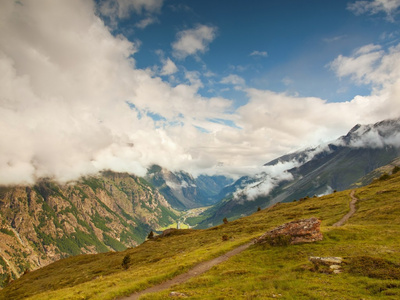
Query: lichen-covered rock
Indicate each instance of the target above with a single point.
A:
(296, 232)
(327, 261)
(327, 264)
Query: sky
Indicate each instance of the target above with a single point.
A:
(209, 87)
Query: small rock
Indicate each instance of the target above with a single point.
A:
(337, 271)
(335, 267)
(326, 260)
(177, 294)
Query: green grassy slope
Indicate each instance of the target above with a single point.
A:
(369, 242)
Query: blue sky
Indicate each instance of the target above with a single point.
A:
(275, 45)
(210, 87)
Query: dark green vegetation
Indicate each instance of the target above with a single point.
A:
(369, 242)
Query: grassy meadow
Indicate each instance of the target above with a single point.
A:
(369, 242)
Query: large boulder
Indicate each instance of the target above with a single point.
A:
(296, 232)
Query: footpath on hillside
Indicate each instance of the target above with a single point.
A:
(207, 265)
(352, 211)
(197, 270)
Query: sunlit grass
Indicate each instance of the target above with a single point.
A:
(260, 272)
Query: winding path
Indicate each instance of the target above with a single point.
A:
(197, 270)
(207, 265)
(345, 218)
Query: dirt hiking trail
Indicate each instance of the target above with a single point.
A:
(207, 265)
(197, 270)
(352, 211)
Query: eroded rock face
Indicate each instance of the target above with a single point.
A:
(296, 232)
(42, 223)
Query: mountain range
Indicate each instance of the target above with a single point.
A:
(334, 166)
(183, 191)
(49, 221)
(364, 250)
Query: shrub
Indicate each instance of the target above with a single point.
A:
(384, 177)
(225, 220)
(126, 261)
(151, 235)
(259, 209)
(7, 280)
(279, 240)
(395, 170)
(225, 238)
(373, 267)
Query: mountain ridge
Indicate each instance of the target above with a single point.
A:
(313, 171)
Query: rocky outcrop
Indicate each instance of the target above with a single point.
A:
(296, 232)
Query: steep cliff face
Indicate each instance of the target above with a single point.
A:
(48, 221)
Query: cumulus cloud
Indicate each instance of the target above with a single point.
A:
(360, 65)
(72, 102)
(370, 65)
(378, 68)
(193, 41)
(389, 7)
(169, 67)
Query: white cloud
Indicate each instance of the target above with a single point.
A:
(360, 65)
(66, 82)
(270, 177)
(370, 65)
(259, 53)
(233, 79)
(169, 67)
(389, 7)
(193, 41)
